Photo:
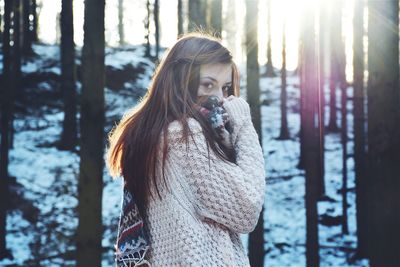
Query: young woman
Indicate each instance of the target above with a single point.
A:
(191, 161)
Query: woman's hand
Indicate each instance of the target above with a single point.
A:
(238, 110)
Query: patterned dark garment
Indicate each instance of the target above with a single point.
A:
(132, 242)
(212, 109)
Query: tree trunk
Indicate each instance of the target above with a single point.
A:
(27, 36)
(157, 26)
(69, 136)
(359, 130)
(284, 134)
(147, 28)
(384, 132)
(310, 137)
(256, 238)
(335, 55)
(345, 227)
(16, 63)
(269, 67)
(230, 27)
(58, 28)
(180, 17)
(300, 70)
(197, 14)
(5, 118)
(121, 31)
(1, 28)
(34, 31)
(323, 28)
(216, 17)
(90, 185)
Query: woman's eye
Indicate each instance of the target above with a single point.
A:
(208, 85)
(226, 88)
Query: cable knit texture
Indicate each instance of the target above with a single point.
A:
(210, 201)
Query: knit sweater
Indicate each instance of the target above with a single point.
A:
(207, 202)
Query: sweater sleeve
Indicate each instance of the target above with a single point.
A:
(227, 193)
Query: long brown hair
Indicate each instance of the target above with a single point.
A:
(172, 95)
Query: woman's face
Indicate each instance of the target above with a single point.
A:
(215, 79)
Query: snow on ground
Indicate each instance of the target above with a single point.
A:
(284, 216)
(49, 176)
(50, 180)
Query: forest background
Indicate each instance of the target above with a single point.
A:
(322, 80)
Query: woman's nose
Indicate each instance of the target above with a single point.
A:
(219, 93)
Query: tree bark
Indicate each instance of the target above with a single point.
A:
(69, 136)
(384, 132)
(197, 15)
(269, 67)
(335, 54)
(27, 35)
(16, 63)
(216, 17)
(300, 70)
(345, 227)
(359, 130)
(90, 185)
(121, 30)
(230, 27)
(147, 28)
(256, 238)
(5, 118)
(284, 134)
(323, 28)
(1, 28)
(180, 17)
(58, 28)
(34, 31)
(310, 137)
(157, 26)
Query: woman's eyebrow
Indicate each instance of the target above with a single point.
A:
(213, 79)
(209, 77)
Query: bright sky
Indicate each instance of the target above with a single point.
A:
(135, 12)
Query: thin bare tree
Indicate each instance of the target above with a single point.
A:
(156, 11)
(5, 118)
(269, 66)
(284, 133)
(16, 53)
(180, 17)
(147, 29)
(359, 130)
(34, 31)
(256, 238)
(322, 43)
(215, 11)
(121, 30)
(90, 184)
(26, 34)
(337, 48)
(69, 135)
(197, 14)
(310, 134)
(383, 166)
(345, 226)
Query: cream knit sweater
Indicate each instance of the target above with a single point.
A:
(211, 201)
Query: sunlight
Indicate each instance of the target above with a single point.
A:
(314, 3)
(282, 11)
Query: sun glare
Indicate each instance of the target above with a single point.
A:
(286, 12)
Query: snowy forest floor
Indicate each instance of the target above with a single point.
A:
(42, 218)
